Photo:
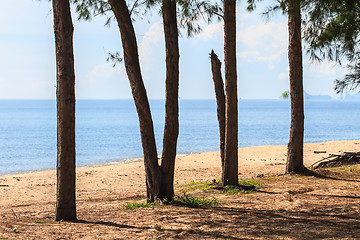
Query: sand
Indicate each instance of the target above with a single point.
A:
(103, 190)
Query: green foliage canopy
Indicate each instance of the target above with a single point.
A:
(333, 32)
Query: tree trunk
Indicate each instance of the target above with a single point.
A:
(159, 179)
(295, 145)
(171, 129)
(65, 93)
(132, 65)
(230, 166)
(220, 100)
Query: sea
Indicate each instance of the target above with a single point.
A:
(107, 131)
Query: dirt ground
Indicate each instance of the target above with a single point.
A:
(283, 207)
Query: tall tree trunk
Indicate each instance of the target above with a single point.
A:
(171, 129)
(230, 166)
(132, 65)
(159, 179)
(220, 100)
(295, 145)
(65, 93)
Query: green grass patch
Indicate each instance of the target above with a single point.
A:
(37, 221)
(234, 190)
(180, 201)
(249, 182)
(216, 184)
(204, 186)
(141, 205)
(193, 202)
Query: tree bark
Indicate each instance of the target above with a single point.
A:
(230, 166)
(132, 65)
(65, 93)
(171, 129)
(159, 179)
(220, 100)
(296, 141)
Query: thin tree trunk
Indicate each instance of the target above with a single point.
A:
(159, 179)
(230, 166)
(295, 145)
(65, 93)
(132, 65)
(220, 100)
(171, 129)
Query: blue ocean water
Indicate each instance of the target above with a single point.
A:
(107, 130)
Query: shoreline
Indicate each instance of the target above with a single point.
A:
(180, 155)
(106, 163)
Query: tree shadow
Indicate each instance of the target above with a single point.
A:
(224, 222)
(274, 224)
(310, 173)
(185, 232)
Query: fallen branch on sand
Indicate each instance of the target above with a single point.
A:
(14, 213)
(337, 160)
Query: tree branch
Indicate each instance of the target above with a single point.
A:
(133, 7)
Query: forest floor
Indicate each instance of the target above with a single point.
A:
(282, 207)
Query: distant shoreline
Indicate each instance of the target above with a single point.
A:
(191, 155)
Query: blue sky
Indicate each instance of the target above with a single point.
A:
(27, 62)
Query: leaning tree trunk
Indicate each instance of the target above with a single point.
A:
(230, 166)
(171, 129)
(295, 146)
(132, 65)
(65, 93)
(159, 179)
(220, 100)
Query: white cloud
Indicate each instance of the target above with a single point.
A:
(320, 69)
(151, 37)
(248, 54)
(213, 30)
(319, 77)
(273, 57)
(258, 35)
(102, 71)
(263, 42)
(103, 82)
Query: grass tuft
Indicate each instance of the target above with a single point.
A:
(180, 201)
(216, 184)
(234, 190)
(204, 186)
(193, 202)
(37, 221)
(249, 182)
(141, 205)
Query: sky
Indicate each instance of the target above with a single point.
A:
(28, 67)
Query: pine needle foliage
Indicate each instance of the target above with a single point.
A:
(333, 33)
(331, 30)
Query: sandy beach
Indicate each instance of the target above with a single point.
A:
(103, 190)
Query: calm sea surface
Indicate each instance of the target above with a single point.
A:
(107, 130)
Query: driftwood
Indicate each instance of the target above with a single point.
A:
(337, 160)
